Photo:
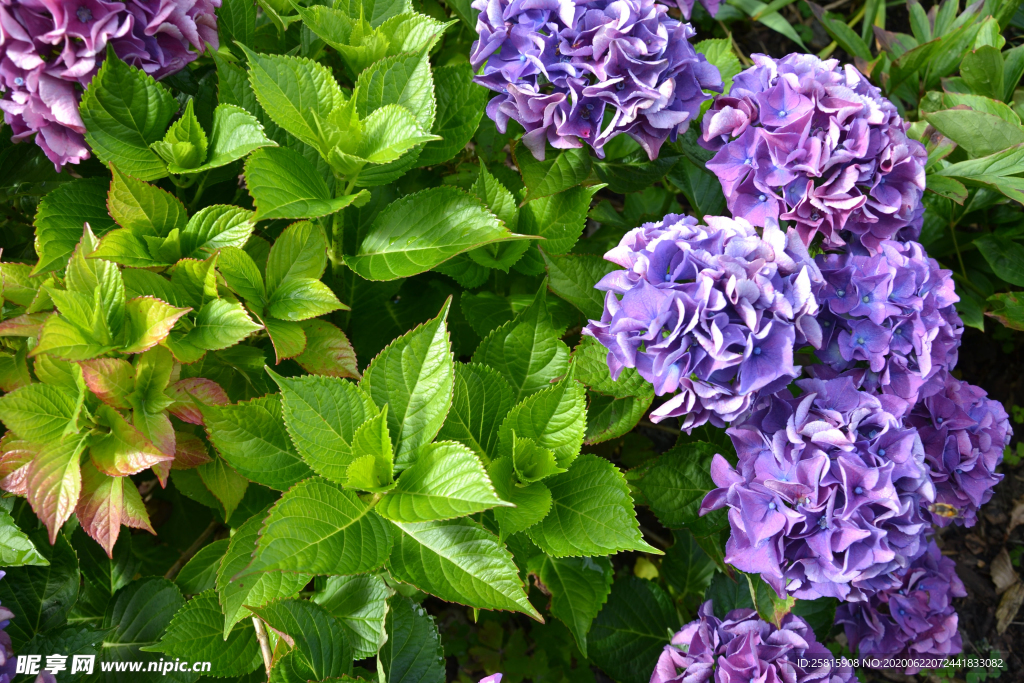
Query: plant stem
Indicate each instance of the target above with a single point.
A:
(192, 550)
(661, 428)
(956, 245)
(264, 641)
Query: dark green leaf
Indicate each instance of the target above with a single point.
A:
(631, 630)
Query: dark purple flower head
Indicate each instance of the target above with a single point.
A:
(712, 312)
(828, 492)
(7, 661)
(802, 139)
(52, 49)
(913, 617)
(964, 433)
(892, 316)
(743, 647)
(574, 72)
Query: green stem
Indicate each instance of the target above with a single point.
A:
(956, 246)
(199, 192)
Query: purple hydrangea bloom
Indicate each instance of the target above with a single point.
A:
(964, 433)
(802, 139)
(827, 496)
(7, 661)
(891, 318)
(686, 6)
(913, 617)
(743, 647)
(584, 71)
(52, 49)
(712, 312)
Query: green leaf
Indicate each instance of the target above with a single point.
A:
(768, 604)
(422, 230)
(220, 324)
(184, 145)
(728, 594)
(555, 418)
(283, 184)
(1008, 309)
(195, 633)
(591, 513)
(676, 483)
(458, 561)
(216, 227)
(480, 401)
(531, 461)
(558, 171)
(719, 52)
(634, 172)
(252, 589)
(149, 320)
(413, 651)
(322, 415)
(374, 468)
(41, 597)
(460, 106)
(947, 187)
(579, 587)
(328, 351)
(591, 365)
(375, 11)
(195, 281)
(404, 80)
(559, 218)
(359, 603)
(142, 208)
(16, 548)
(702, 189)
(127, 249)
(820, 614)
(995, 172)
(302, 299)
(297, 93)
(227, 486)
(200, 573)
(137, 616)
(632, 629)
(445, 480)
(982, 69)
(319, 528)
(573, 277)
(236, 21)
(38, 412)
(980, 134)
(526, 351)
(531, 502)
(1005, 256)
(845, 36)
(124, 111)
(686, 567)
(60, 216)
(252, 438)
(236, 133)
(414, 376)
(242, 275)
(300, 252)
(320, 648)
(390, 132)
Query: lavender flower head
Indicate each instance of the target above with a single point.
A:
(802, 139)
(912, 618)
(827, 496)
(964, 433)
(587, 70)
(743, 647)
(712, 312)
(7, 661)
(52, 49)
(890, 316)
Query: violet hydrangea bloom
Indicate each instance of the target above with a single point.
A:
(805, 140)
(686, 6)
(890, 316)
(743, 647)
(7, 661)
(52, 49)
(964, 433)
(914, 617)
(827, 496)
(585, 71)
(712, 312)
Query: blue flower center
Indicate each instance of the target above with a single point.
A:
(782, 114)
(621, 85)
(939, 420)
(84, 14)
(860, 341)
(19, 81)
(881, 451)
(823, 523)
(757, 350)
(959, 471)
(762, 198)
(873, 434)
(859, 490)
(866, 299)
(902, 611)
(771, 505)
(840, 292)
(585, 115)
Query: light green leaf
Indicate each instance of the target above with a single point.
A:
(558, 218)
(413, 652)
(359, 603)
(532, 503)
(579, 587)
(65, 341)
(16, 548)
(414, 376)
(531, 461)
(389, 132)
(591, 513)
(328, 351)
(320, 649)
(373, 469)
(38, 413)
(559, 171)
(283, 184)
(227, 486)
(375, 11)
(200, 573)
(632, 629)
(236, 133)
(980, 134)
(480, 401)
(142, 208)
(402, 79)
(319, 528)
(300, 252)
(591, 368)
(149, 321)
(184, 145)
(216, 227)
(460, 106)
(719, 52)
(458, 561)
(982, 69)
(302, 299)
(555, 418)
(242, 275)
(60, 216)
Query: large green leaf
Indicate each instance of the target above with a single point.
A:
(216, 227)
(458, 561)
(413, 651)
(138, 615)
(676, 483)
(404, 80)
(200, 573)
(1005, 256)
(359, 603)
(591, 513)
(251, 436)
(557, 172)
(558, 218)
(532, 502)
(219, 325)
(555, 418)
(579, 587)
(319, 528)
(446, 480)
(573, 277)
(414, 376)
(60, 216)
(16, 548)
(480, 401)
(41, 597)
(236, 133)
(284, 184)
(460, 105)
(980, 134)
(54, 481)
(124, 111)
(38, 412)
(632, 629)
(320, 648)
(423, 230)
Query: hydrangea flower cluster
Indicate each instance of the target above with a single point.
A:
(7, 661)
(585, 71)
(893, 311)
(827, 495)
(52, 49)
(713, 312)
(914, 617)
(743, 647)
(802, 139)
(964, 433)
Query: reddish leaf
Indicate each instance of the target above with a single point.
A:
(328, 351)
(26, 325)
(157, 428)
(55, 482)
(111, 379)
(15, 456)
(162, 470)
(191, 452)
(149, 322)
(99, 508)
(184, 407)
(125, 450)
(14, 372)
(133, 512)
